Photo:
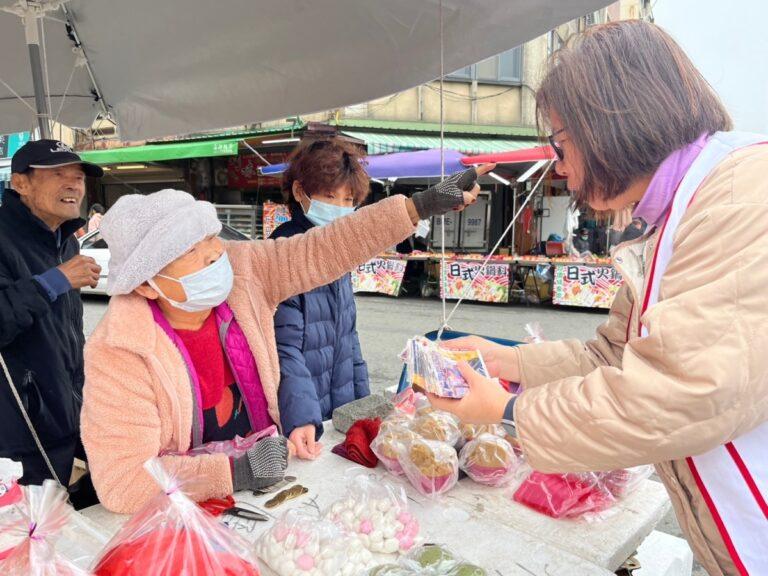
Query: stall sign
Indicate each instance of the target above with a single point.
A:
(588, 286)
(380, 275)
(491, 285)
(274, 215)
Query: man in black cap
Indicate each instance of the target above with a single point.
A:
(41, 315)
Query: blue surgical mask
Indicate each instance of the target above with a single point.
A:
(205, 289)
(322, 213)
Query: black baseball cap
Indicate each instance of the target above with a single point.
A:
(49, 154)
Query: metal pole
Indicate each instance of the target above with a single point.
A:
(41, 102)
(514, 211)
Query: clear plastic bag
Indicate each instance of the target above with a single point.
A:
(378, 514)
(429, 560)
(438, 426)
(301, 542)
(586, 495)
(172, 535)
(10, 513)
(489, 460)
(43, 514)
(431, 467)
(435, 370)
(471, 431)
(234, 448)
(535, 333)
(393, 433)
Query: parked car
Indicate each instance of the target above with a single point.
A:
(93, 245)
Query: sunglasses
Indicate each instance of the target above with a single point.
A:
(559, 152)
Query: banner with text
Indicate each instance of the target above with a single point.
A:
(588, 286)
(381, 275)
(492, 285)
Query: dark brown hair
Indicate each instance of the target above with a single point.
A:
(628, 96)
(325, 164)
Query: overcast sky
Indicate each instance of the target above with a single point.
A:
(728, 42)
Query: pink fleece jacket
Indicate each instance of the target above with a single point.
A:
(137, 400)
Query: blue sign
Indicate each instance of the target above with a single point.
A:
(9, 143)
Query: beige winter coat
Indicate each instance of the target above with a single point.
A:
(700, 378)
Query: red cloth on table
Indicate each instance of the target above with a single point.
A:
(207, 354)
(170, 552)
(564, 496)
(357, 445)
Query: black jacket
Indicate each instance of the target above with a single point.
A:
(41, 341)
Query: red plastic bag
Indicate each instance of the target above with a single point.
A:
(173, 536)
(576, 495)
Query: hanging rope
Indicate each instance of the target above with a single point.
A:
(45, 73)
(442, 165)
(468, 290)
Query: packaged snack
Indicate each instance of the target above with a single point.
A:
(10, 495)
(429, 560)
(438, 425)
(172, 535)
(234, 448)
(588, 494)
(435, 370)
(489, 460)
(471, 431)
(431, 467)
(301, 543)
(43, 514)
(393, 433)
(377, 513)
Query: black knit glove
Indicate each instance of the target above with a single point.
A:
(446, 196)
(262, 466)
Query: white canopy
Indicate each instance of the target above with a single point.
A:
(169, 67)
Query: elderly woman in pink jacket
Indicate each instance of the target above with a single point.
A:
(186, 352)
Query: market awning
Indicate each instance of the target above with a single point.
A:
(513, 156)
(421, 164)
(387, 143)
(159, 152)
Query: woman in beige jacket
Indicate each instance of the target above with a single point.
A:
(678, 374)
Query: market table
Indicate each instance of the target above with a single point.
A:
(481, 524)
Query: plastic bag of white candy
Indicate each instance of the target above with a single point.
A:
(377, 513)
(301, 543)
(429, 560)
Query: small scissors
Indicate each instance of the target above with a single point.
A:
(227, 507)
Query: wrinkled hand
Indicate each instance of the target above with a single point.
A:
(483, 404)
(303, 439)
(454, 193)
(81, 271)
(501, 361)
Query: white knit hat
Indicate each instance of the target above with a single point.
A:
(146, 233)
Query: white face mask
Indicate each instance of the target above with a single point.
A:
(205, 289)
(322, 213)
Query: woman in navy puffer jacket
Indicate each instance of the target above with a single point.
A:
(321, 365)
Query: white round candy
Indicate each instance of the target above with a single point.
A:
(390, 546)
(376, 536)
(389, 531)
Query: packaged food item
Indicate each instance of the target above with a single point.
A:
(435, 370)
(393, 433)
(471, 431)
(588, 494)
(10, 495)
(489, 460)
(439, 426)
(431, 467)
(172, 535)
(302, 543)
(378, 514)
(429, 560)
(234, 448)
(43, 514)
(535, 335)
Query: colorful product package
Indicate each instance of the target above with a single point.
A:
(433, 369)
(172, 535)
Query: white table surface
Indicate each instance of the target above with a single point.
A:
(481, 524)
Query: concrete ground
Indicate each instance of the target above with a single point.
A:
(384, 325)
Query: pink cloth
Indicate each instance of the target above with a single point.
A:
(658, 198)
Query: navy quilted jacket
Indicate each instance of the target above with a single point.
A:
(321, 366)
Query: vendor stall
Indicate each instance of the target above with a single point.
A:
(479, 523)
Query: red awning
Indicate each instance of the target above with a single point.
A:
(528, 155)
